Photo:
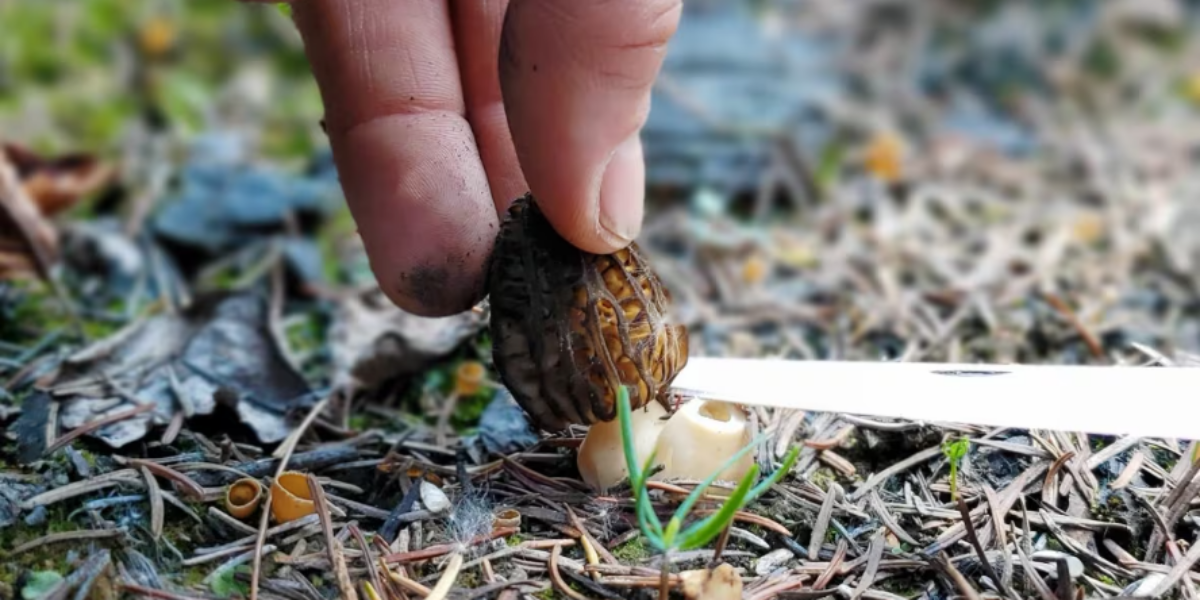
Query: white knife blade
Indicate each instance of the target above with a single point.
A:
(1144, 401)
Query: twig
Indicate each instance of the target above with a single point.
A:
(446, 581)
(955, 576)
(289, 447)
(973, 537)
(823, 518)
(156, 502)
(884, 475)
(371, 571)
(874, 554)
(332, 546)
(138, 590)
(259, 542)
(65, 536)
(557, 580)
(1032, 575)
(191, 488)
(91, 426)
(1180, 569)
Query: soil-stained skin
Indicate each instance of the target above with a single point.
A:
(427, 284)
(570, 327)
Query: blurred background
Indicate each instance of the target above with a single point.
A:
(916, 180)
(882, 180)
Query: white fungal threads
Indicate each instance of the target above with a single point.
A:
(699, 437)
(470, 519)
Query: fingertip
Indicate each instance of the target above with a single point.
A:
(623, 192)
(576, 80)
(422, 209)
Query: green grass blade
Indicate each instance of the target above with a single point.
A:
(646, 467)
(672, 531)
(698, 492)
(788, 462)
(712, 525)
(626, 416)
(647, 519)
(651, 528)
(703, 532)
(645, 509)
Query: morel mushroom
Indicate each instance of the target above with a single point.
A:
(569, 327)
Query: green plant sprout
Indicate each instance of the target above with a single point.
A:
(673, 536)
(955, 451)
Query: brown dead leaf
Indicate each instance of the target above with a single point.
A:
(33, 189)
(372, 340)
(57, 183)
(28, 243)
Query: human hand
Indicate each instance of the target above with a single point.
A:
(441, 113)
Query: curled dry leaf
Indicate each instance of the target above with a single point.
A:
(33, 189)
(374, 341)
(570, 327)
(56, 183)
(219, 350)
(28, 243)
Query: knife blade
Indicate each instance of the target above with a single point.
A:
(1143, 401)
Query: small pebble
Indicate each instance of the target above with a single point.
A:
(36, 517)
(433, 498)
(1143, 586)
(1074, 565)
(770, 561)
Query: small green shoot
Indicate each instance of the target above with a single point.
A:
(955, 450)
(674, 536)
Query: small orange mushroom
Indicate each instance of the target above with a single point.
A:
(885, 157)
(290, 497)
(468, 378)
(243, 496)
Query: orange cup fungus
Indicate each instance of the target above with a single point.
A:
(290, 497)
(243, 496)
(507, 517)
(468, 379)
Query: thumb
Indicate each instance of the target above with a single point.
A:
(576, 79)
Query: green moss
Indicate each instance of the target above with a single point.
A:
(902, 585)
(823, 477)
(633, 551)
(37, 313)
(547, 594)
(193, 576)
(51, 557)
(468, 579)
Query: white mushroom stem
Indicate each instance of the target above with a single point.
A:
(700, 437)
(696, 440)
(601, 458)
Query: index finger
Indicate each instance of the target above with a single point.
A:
(406, 155)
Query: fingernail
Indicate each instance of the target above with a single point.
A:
(622, 190)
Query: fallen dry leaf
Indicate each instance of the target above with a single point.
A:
(57, 183)
(374, 341)
(28, 242)
(33, 189)
(218, 351)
